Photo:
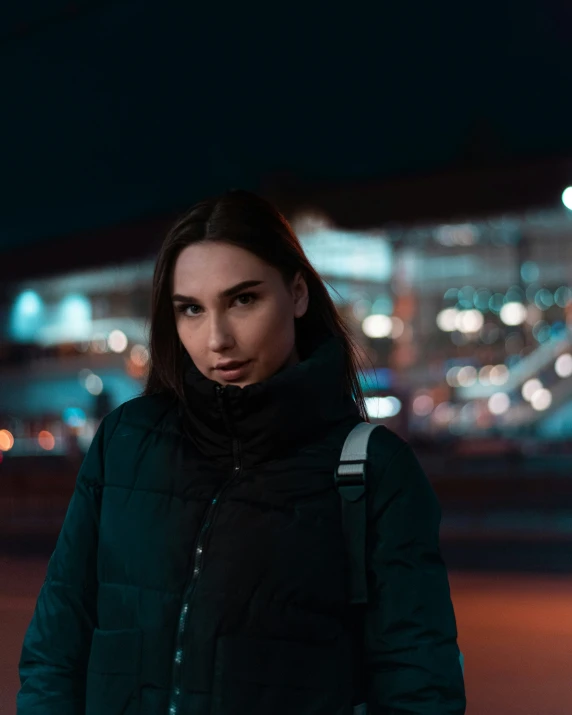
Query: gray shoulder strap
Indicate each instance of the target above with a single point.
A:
(350, 481)
(354, 451)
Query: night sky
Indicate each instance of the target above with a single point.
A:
(115, 111)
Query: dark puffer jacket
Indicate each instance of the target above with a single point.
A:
(200, 569)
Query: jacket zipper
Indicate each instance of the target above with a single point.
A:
(198, 560)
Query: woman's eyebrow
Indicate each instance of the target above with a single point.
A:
(178, 298)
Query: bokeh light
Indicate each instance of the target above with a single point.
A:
(562, 296)
(499, 403)
(377, 326)
(469, 321)
(544, 299)
(423, 405)
(541, 400)
(83, 375)
(485, 375)
(75, 417)
(99, 343)
(567, 197)
(467, 376)
(447, 319)
(542, 331)
(529, 271)
(563, 365)
(140, 355)
(499, 375)
(75, 314)
(451, 376)
(26, 316)
(117, 341)
(382, 407)
(46, 440)
(444, 413)
(398, 328)
(94, 384)
(496, 302)
(530, 387)
(481, 299)
(513, 313)
(6, 440)
(29, 303)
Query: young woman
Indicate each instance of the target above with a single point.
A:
(200, 569)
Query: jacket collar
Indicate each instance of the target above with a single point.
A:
(268, 419)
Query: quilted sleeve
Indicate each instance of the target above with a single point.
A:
(412, 661)
(57, 643)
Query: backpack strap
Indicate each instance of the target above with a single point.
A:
(350, 482)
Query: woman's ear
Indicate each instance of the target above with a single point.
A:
(300, 295)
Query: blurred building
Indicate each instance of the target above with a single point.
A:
(73, 348)
(465, 330)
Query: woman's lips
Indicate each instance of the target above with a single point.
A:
(234, 373)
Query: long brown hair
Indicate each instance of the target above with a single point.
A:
(246, 220)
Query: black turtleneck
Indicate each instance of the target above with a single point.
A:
(291, 408)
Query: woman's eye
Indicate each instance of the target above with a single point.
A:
(192, 311)
(250, 297)
(187, 310)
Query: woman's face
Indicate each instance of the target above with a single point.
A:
(233, 308)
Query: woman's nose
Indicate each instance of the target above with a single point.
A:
(220, 336)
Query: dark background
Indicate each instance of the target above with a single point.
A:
(117, 111)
